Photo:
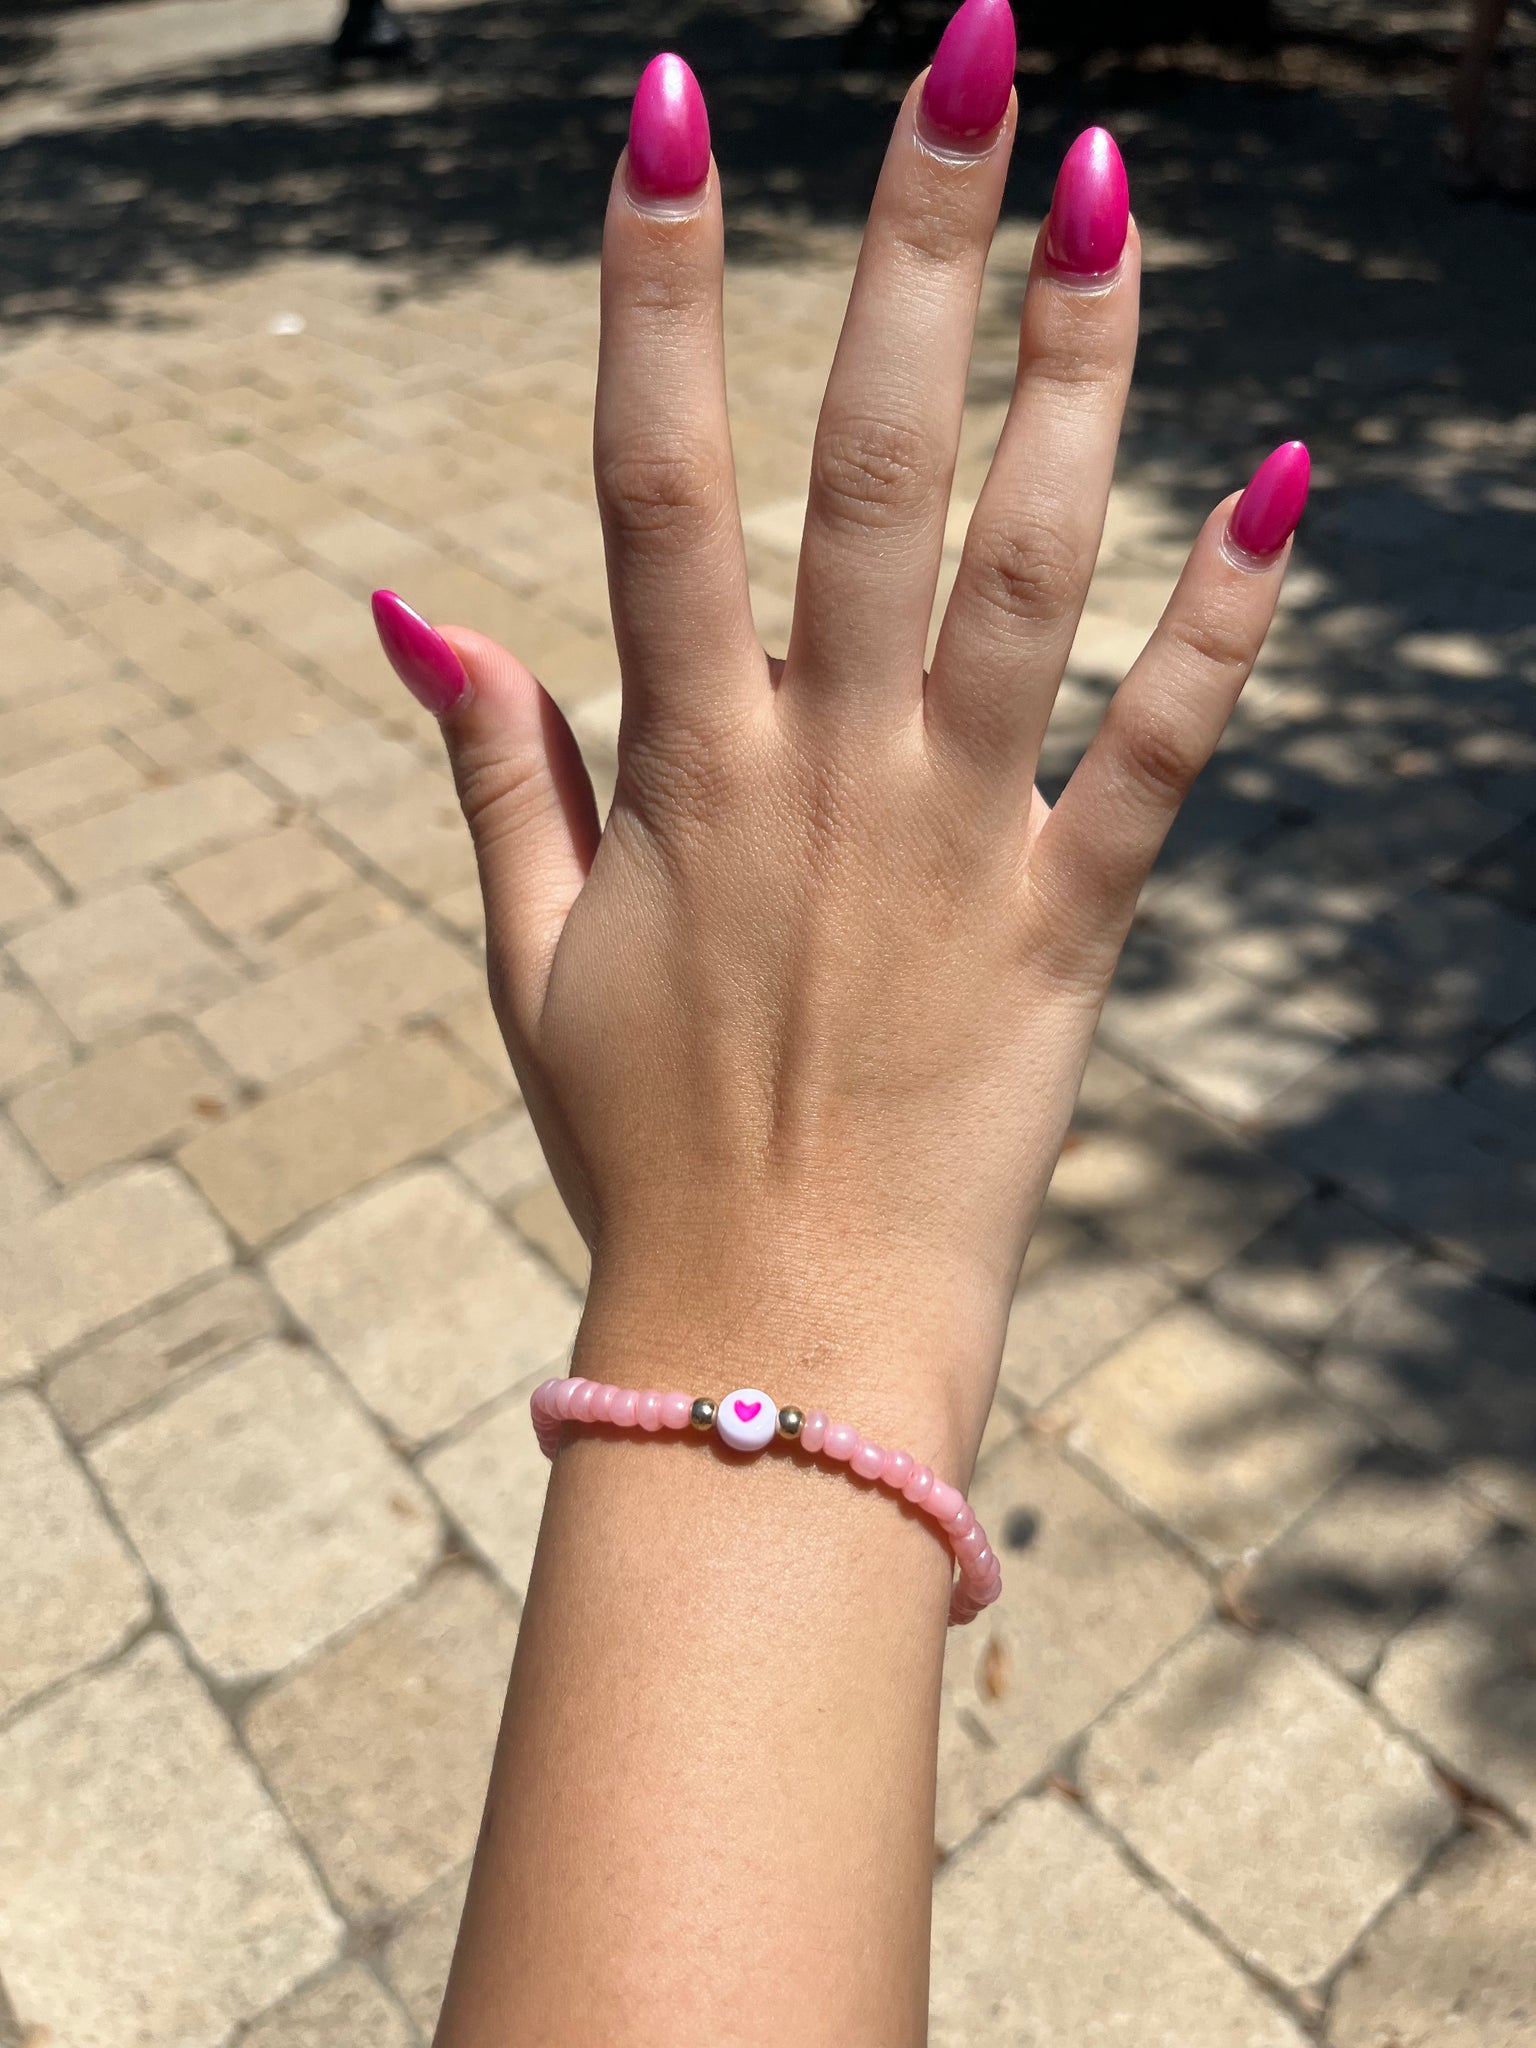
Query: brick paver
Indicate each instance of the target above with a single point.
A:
(1246, 1754)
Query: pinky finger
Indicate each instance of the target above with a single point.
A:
(1097, 847)
(524, 790)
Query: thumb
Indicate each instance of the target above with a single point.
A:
(522, 784)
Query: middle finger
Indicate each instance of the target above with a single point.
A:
(885, 445)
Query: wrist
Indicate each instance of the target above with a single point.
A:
(912, 1366)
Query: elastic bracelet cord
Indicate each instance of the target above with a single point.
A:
(747, 1420)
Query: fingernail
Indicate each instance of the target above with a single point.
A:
(1270, 510)
(419, 655)
(668, 132)
(966, 91)
(1090, 208)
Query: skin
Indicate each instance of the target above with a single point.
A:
(802, 1033)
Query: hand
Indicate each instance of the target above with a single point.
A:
(801, 1028)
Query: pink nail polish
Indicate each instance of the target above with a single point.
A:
(966, 91)
(420, 657)
(1270, 510)
(668, 132)
(1090, 208)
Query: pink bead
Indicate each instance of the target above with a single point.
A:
(813, 1431)
(602, 1403)
(944, 1502)
(560, 1400)
(968, 1546)
(868, 1460)
(842, 1440)
(676, 1410)
(581, 1401)
(918, 1486)
(626, 1404)
(898, 1469)
(964, 1522)
(648, 1412)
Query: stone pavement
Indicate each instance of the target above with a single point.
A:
(1247, 1753)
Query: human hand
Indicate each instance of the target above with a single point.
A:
(802, 1027)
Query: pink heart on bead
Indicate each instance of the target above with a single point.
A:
(744, 1411)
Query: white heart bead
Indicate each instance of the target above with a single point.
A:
(747, 1419)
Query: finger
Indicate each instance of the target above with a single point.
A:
(666, 485)
(1029, 555)
(1095, 850)
(524, 789)
(884, 453)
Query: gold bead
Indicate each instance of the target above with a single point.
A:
(791, 1422)
(702, 1414)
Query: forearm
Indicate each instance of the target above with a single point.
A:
(710, 1819)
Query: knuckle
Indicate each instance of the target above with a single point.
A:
(1209, 640)
(870, 474)
(1158, 753)
(497, 794)
(656, 491)
(1027, 575)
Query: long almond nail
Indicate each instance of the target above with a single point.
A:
(668, 132)
(1090, 208)
(966, 91)
(1270, 510)
(419, 655)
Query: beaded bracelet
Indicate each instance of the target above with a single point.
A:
(748, 1421)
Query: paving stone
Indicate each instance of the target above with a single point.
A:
(31, 1041)
(121, 959)
(1166, 1183)
(25, 893)
(347, 2010)
(268, 1509)
(1068, 1316)
(63, 724)
(1438, 975)
(24, 1187)
(471, 1022)
(420, 1952)
(380, 1749)
(1228, 1045)
(426, 1301)
(1418, 1156)
(1042, 1934)
(1463, 1677)
(1503, 1083)
(371, 1111)
(504, 1161)
(103, 1253)
(149, 1890)
(1291, 1285)
(53, 790)
(1452, 1965)
(413, 831)
(1359, 1566)
(157, 827)
(1443, 1365)
(309, 1013)
(1268, 1795)
(70, 1593)
(250, 886)
(492, 1478)
(1209, 1431)
(110, 1379)
(325, 927)
(542, 1217)
(315, 767)
(1090, 1601)
(121, 1103)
